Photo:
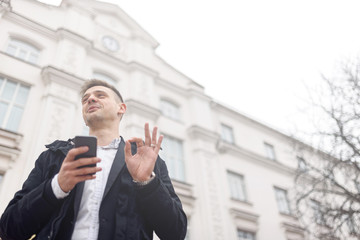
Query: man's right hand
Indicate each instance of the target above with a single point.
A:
(70, 174)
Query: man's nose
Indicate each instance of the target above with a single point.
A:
(91, 99)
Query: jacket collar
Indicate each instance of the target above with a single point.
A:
(62, 146)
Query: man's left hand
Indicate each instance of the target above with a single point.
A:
(142, 164)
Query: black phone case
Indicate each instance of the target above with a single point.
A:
(89, 141)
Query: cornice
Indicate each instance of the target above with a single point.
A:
(196, 93)
(9, 142)
(30, 24)
(12, 136)
(53, 74)
(171, 86)
(134, 106)
(199, 132)
(11, 153)
(289, 227)
(94, 8)
(236, 114)
(244, 215)
(63, 33)
(95, 52)
(135, 66)
(224, 147)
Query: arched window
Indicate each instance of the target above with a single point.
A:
(23, 50)
(104, 77)
(169, 109)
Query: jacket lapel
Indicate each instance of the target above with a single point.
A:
(78, 195)
(116, 167)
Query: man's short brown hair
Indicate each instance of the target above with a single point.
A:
(96, 82)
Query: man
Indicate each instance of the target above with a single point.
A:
(129, 196)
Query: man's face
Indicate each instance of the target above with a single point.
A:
(101, 105)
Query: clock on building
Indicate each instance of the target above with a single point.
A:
(110, 43)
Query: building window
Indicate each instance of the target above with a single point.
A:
(282, 201)
(13, 98)
(104, 77)
(269, 151)
(169, 109)
(243, 235)
(317, 213)
(227, 134)
(172, 154)
(23, 50)
(237, 186)
(302, 166)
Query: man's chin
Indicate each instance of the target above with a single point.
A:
(93, 120)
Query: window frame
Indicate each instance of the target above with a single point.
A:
(99, 75)
(246, 234)
(301, 164)
(227, 134)
(270, 151)
(174, 114)
(20, 45)
(237, 191)
(12, 104)
(175, 162)
(282, 201)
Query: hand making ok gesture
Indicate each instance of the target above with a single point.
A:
(142, 164)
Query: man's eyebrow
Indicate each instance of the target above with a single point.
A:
(85, 95)
(97, 91)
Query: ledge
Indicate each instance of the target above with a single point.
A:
(185, 193)
(196, 131)
(136, 107)
(224, 147)
(9, 144)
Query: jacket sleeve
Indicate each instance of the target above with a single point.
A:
(32, 206)
(162, 207)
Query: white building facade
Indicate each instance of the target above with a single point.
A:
(233, 174)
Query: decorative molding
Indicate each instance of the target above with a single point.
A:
(10, 139)
(136, 107)
(235, 114)
(293, 230)
(108, 58)
(9, 144)
(244, 220)
(62, 33)
(214, 202)
(173, 88)
(30, 24)
(5, 5)
(136, 66)
(237, 151)
(53, 74)
(185, 193)
(58, 116)
(248, 216)
(199, 132)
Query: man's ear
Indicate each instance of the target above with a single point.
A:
(122, 108)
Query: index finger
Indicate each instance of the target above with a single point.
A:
(74, 152)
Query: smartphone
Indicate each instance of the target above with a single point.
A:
(91, 142)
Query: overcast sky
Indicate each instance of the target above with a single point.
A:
(254, 56)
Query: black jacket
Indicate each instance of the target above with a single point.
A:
(127, 211)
